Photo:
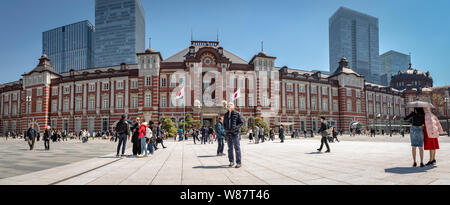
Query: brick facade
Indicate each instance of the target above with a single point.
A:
(94, 99)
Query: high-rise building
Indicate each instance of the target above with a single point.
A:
(354, 35)
(120, 31)
(392, 62)
(70, 47)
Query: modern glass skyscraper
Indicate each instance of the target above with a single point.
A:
(355, 35)
(70, 47)
(392, 62)
(120, 31)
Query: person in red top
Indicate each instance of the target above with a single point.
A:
(142, 138)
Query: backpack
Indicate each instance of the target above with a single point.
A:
(122, 127)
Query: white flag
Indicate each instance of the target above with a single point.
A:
(237, 95)
(180, 94)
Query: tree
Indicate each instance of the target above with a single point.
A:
(243, 130)
(260, 122)
(168, 126)
(190, 122)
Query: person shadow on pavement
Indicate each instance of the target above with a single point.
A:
(408, 170)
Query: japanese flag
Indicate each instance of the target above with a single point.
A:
(237, 95)
(180, 94)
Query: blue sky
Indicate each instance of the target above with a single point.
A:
(295, 31)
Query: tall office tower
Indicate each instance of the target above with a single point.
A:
(354, 35)
(120, 31)
(392, 62)
(70, 47)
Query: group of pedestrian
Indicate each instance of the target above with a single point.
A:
(145, 137)
(258, 133)
(424, 134)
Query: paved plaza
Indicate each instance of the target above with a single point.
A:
(355, 160)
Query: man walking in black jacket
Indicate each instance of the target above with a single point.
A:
(323, 131)
(233, 123)
(31, 136)
(47, 135)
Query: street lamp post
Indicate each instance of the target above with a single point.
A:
(447, 101)
(390, 123)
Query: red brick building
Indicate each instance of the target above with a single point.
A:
(94, 99)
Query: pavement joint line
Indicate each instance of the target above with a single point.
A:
(164, 163)
(85, 172)
(216, 159)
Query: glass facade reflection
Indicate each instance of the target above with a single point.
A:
(120, 31)
(70, 47)
(392, 62)
(355, 35)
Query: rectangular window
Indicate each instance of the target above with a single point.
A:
(134, 84)
(163, 82)
(313, 89)
(105, 86)
(54, 91)
(163, 101)
(91, 127)
(148, 100)
(325, 104)
(173, 81)
(79, 89)
(335, 106)
(105, 124)
(290, 103)
(78, 104)
(77, 125)
(241, 83)
(92, 87)
(105, 102)
(91, 103)
(14, 109)
(148, 81)
(250, 84)
(313, 103)
(349, 105)
(39, 92)
(250, 100)
(134, 102)
(302, 103)
(265, 100)
(119, 102)
(119, 85)
(54, 105)
(289, 87)
(66, 89)
(66, 105)
(324, 91)
(358, 106)
(349, 92)
(302, 88)
(66, 124)
(335, 92)
(358, 93)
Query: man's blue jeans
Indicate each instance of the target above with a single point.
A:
(151, 147)
(122, 142)
(221, 145)
(233, 142)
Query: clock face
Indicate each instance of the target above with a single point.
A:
(207, 61)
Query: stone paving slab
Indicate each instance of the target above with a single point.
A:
(295, 162)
